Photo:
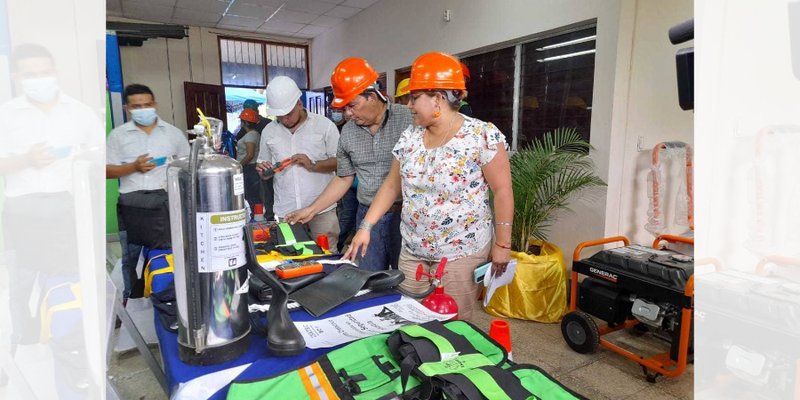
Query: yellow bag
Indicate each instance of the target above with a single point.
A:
(538, 291)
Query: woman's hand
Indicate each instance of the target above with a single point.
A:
(500, 258)
(360, 241)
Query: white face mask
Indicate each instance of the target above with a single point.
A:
(40, 90)
(144, 116)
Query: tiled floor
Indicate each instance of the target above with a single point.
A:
(603, 375)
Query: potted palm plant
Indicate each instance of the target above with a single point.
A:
(546, 176)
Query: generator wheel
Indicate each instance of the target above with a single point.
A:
(580, 332)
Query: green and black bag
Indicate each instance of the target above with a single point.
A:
(362, 370)
(452, 360)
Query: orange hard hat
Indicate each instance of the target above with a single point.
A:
(249, 115)
(349, 79)
(436, 71)
(465, 70)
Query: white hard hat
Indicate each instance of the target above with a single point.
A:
(282, 94)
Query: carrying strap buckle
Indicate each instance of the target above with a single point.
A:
(352, 381)
(291, 241)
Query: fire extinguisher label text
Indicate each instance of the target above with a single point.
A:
(220, 246)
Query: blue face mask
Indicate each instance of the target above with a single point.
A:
(144, 116)
(336, 117)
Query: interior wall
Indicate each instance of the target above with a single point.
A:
(79, 55)
(389, 42)
(165, 64)
(646, 112)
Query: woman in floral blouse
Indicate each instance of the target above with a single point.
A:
(444, 168)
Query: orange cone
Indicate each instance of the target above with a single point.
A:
(501, 333)
(322, 242)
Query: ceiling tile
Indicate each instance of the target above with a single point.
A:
(113, 5)
(244, 22)
(163, 3)
(309, 6)
(149, 13)
(273, 31)
(359, 3)
(147, 3)
(251, 10)
(203, 6)
(178, 21)
(196, 16)
(327, 21)
(313, 30)
(235, 28)
(282, 26)
(294, 16)
(266, 3)
(344, 12)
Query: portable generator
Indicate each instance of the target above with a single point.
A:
(633, 286)
(751, 329)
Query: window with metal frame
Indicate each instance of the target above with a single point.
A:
(291, 61)
(533, 85)
(557, 82)
(242, 63)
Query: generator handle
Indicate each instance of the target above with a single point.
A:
(672, 239)
(761, 268)
(577, 254)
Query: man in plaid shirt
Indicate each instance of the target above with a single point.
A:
(365, 151)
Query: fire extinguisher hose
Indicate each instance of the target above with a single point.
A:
(417, 295)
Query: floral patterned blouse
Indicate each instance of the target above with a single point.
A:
(446, 209)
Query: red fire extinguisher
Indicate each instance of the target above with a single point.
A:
(438, 301)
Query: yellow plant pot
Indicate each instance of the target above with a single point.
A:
(538, 291)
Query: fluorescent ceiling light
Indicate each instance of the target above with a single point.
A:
(574, 41)
(563, 56)
(273, 14)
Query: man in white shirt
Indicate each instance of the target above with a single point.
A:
(45, 133)
(310, 141)
(137, 153)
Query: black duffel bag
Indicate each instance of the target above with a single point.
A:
(145, 217)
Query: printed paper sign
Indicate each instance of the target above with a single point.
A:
(238, 184)
(220, 242)
(359, 324)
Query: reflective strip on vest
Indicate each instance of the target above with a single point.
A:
(316, 383)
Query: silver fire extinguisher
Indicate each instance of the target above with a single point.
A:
(207, 214)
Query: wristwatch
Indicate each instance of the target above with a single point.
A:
(313, 165)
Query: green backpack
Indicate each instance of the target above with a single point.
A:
(452, 360)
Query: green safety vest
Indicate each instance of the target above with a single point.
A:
(304, 248)
(462, 362)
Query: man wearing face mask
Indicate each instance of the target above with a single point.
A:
(137, 153)
(337, 116)
(310, 141)
(44, 133)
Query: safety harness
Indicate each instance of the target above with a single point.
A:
(292, 247)
(454, 360)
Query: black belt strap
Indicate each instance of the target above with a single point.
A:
(505, 379)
